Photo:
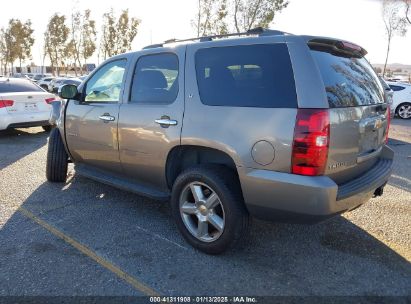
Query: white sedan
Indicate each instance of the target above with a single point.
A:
(401, 99)
(23, 104)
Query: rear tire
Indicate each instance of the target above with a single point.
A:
(404, 110)
(226, 221)
(57, 158)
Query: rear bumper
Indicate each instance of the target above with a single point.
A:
(295, 198)
(23, 120)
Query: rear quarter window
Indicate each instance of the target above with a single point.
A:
(18, 86)
(348, 81)
(246, 76)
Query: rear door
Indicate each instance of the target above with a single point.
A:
(151, 120)
(91, 123)
(359, 116)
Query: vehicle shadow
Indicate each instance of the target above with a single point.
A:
(401, 177)
(14, 144)
(138, 235)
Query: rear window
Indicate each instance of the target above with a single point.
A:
(246, 76)
(349, 82)
(20, 86)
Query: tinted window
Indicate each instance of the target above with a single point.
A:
(246, 76)
(396, 88)
(155, 79)
(349, 82)
(18, 86)
(106, 84)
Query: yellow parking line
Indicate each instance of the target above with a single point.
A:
(88, 252)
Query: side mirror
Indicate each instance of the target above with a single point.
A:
(68, 91)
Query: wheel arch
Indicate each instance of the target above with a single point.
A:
(183, 157)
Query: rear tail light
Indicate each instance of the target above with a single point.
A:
(6, 103)
(388, 123)
(311, 141)
(50, 100)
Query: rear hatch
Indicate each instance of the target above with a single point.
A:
(359, 116)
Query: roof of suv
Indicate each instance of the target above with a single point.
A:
(253, 32)
(315, 41)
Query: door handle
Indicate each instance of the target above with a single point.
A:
(107, 117)
(165, 122)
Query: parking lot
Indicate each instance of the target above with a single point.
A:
(86, 238)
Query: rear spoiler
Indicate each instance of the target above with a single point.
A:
(339, 47)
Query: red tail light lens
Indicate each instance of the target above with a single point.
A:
(50, 100)
(311, 140)
(388, 123)
(6, 103)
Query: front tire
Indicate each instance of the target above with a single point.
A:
(57, 158)
(404, 110)
(208, 207)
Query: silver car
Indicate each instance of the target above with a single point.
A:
(270, 125)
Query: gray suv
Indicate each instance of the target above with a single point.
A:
(268, 124)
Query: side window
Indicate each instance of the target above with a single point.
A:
(155, 79)
(246, 76)
(396, 88)
(106, 84)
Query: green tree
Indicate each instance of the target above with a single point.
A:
(108, 36)
(70, 55)
(22, 36)
(211, 18)
(8, 50)
(117, 34)
(75, 38)
(55, 40)
(249, 14)
(88, 36)
(3, 63)
(394, 25)
(82, 37)
(407, 7)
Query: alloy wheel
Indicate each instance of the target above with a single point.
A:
(404, 111)
(202, 212)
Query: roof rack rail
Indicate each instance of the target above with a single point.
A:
(256, 31)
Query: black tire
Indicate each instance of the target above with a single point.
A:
(57, 158)
(226, 185)
(47, 128)
(398, 108)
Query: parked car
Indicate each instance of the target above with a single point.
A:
(18, 75)
(401, 99)
(38, 77)
(74, 81)
(389, 95)
(276, 126)
(55, 84)
(44, 82)
(24, 104)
